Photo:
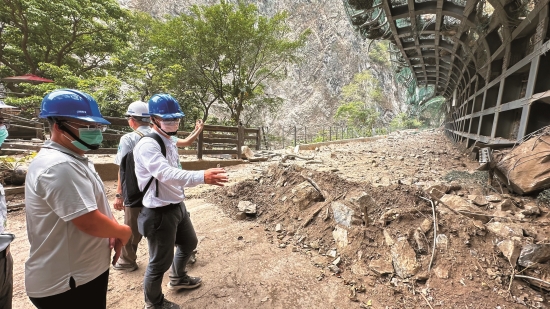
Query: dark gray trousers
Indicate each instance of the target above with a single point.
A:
(164, 228)
(6, 279)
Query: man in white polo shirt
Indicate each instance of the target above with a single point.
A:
(70, 227)
(164, 219)
(138, 119)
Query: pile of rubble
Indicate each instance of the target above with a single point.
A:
(448, 243)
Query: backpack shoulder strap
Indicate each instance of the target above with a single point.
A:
(159, 140)
(139, 133)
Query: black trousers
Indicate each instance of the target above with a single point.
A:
(6, 279)
(92, 295)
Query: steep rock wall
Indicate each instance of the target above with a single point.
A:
(333, 54)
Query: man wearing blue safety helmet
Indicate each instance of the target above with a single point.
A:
(138, 119)
(70, 226)
(164, 219)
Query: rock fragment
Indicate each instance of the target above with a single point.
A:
(534, 253)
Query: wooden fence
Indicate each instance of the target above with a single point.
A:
(214, 140)
(24, 128)
(226, 140)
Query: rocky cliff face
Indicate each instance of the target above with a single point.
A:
(333, 54)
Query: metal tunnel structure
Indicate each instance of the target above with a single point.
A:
(488, 58)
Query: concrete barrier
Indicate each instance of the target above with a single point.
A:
(341, 141)
(109, 171)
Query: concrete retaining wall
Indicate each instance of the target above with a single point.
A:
(109, 171)
(342, 141)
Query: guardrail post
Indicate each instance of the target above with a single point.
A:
(283, 137)
(240, 141)
(39, 133)
(258, 138)
(294, 135)
(264, 135)
(200, 145)
(330, 134)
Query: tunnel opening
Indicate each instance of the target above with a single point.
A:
(543, 75)
(478, 103)
(538, 116)
(515, 85)
(508, 124)
(492, 96)
(475, 125)
(487, 125)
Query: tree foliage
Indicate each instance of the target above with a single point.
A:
(362, 101)
(379, 53)
(404, 121)
(80, 34)
(357, 114)
(224, 54)
(229, 51)
(105, 89)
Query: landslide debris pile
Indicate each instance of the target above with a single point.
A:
(490, 249)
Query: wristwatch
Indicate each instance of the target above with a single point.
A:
(118, 195)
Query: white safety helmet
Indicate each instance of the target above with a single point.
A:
(138, 110)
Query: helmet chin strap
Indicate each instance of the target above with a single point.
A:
(64, 128)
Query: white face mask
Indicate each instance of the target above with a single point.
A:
(169, 127)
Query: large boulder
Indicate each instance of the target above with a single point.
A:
(404, 258)
(533, 254)
(305, 195)
(527, 167)
(346, 213)
(464, 207)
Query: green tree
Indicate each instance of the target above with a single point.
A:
(403, 121)
(142, 64)
(79, 34)
(228, 52)
(105, 89)
(379, 53)
(357, 114)
(364, 87)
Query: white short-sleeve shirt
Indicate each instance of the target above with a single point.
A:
(128, 141)
(61, 186)
(3, 209)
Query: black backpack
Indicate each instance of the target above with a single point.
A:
(130, 190)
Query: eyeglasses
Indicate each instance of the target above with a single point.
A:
(100, 127)
(137, 118)
(171, 121)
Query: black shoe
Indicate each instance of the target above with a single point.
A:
(166, 304)
(126, 267)
(186, 282)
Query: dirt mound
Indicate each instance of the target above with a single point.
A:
(380, 240)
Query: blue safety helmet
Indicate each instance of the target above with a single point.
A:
(72, 104)
(165, 106)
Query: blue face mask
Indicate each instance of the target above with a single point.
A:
(89, 136)
(3, 134)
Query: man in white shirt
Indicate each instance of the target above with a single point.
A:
(164, 220)
(138, 119)
(70, 226)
